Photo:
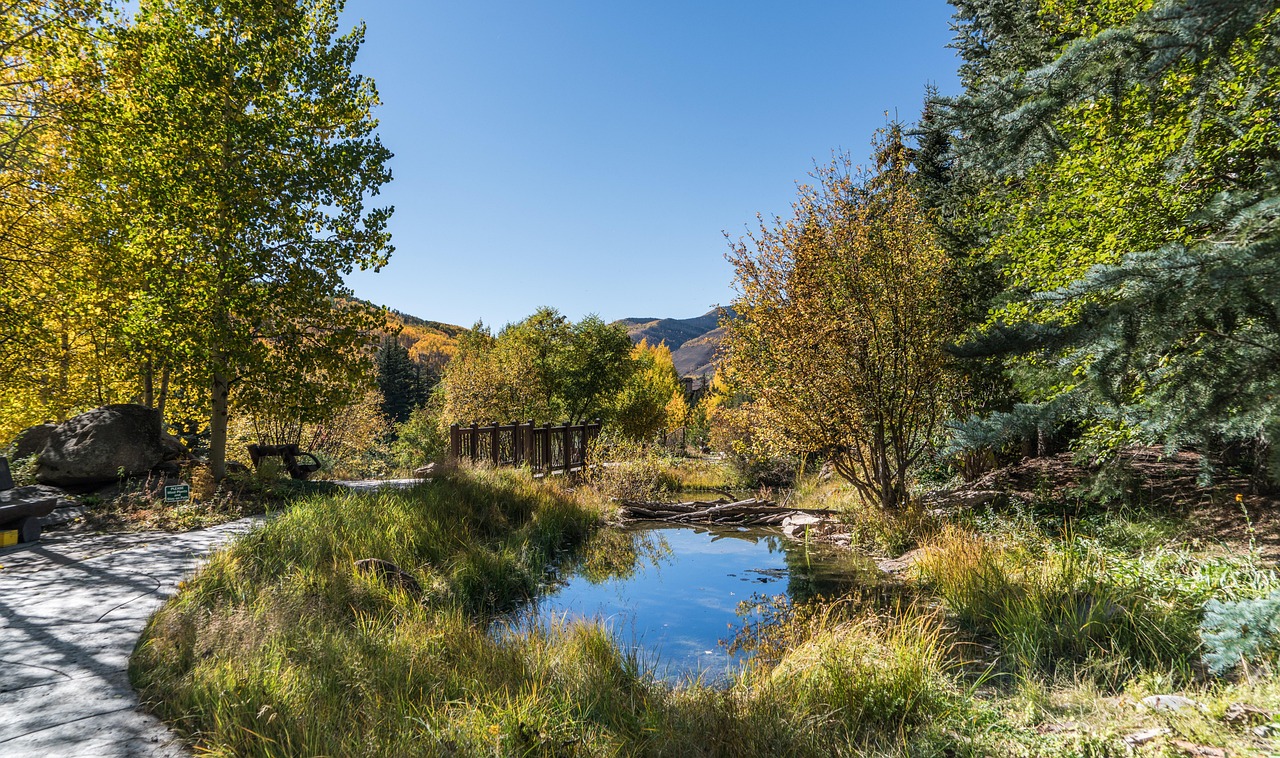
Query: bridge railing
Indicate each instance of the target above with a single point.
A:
(544, 448)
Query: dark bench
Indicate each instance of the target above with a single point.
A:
(290, 455)
(22, 507)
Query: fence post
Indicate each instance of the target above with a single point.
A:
(474, 452)
(526, 442)
(548, 459)
(455, 442)
(568, 450)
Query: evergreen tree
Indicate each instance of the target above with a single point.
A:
(1139, 239)
(400, 380)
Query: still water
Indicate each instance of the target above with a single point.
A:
(672, 593)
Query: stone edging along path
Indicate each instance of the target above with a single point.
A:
(71, 610)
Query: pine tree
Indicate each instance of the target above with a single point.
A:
(400, 380)
(1139, 239)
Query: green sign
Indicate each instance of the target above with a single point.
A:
(177, 493)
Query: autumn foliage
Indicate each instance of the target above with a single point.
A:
(840, 344)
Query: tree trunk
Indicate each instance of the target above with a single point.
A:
(148, 385)
(164, 392)
(221, 389)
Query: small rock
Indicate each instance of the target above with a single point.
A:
(1170, 703)
(797, 524)
(1265, 730)
(1200, 751)
(425, 471)
(1242, 714)
(899, 564)
(1143, 737)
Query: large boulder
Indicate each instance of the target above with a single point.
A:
(32, 441)
(102, 446)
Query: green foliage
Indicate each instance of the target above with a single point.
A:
(421, 439)
(1116, 163)
(400, 380)
(543, 368)
(652, 398)
(23, 470)
(1240, 631)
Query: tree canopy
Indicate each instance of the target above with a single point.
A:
(841, 330)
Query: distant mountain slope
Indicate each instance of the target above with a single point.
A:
(700, 355)
(430, 343)
(694, 342)
(672, 331)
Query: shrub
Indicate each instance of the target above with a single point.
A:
(623, 469)
(868, 675)
(23, 470)
(1239, 631)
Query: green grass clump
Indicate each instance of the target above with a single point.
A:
(869, 676)
(1074, 600)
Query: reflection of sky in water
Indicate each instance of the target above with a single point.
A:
(677, 608)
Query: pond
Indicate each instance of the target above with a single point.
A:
(672, 593)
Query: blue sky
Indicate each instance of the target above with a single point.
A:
(590, 155)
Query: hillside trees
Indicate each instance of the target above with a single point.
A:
(251, 155)
(400, 380)
(842, 328)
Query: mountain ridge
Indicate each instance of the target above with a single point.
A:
(694, 342)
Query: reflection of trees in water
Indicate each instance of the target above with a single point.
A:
(816, 572)
(618, 554)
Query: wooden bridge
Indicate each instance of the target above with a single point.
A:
(543, 448)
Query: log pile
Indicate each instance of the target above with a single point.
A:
(750, 512)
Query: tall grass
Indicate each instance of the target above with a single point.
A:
(279, 646)
(1072, 600)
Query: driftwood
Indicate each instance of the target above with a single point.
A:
(751, 512)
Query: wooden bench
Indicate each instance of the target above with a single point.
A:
(22, 507)
(290, 455)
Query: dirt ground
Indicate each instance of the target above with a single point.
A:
(1230, 510)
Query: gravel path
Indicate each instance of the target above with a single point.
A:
(71, 609)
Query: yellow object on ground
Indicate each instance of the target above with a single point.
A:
(8, 537)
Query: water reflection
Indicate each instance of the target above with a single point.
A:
(673, 592)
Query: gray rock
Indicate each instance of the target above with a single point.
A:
(32, 441)
(1171, 703)
(174, 450)
(1144, 736)
(102, 446)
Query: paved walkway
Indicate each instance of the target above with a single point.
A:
(71, 609)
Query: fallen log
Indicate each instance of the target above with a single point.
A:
(750, 512)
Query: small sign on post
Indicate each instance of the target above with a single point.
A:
(177, 493)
